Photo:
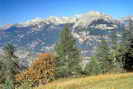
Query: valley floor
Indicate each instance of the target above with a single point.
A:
(107, 81)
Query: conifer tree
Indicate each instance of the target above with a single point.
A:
(114, 48)
(68, 55)
(127, 42)
(93, 67)
(103, 55)
(9, 67)
(10, 61)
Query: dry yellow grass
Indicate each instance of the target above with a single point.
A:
(107, 81)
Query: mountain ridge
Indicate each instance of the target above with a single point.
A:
(63, 19)
(40, 35)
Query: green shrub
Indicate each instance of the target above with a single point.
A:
(25, 85)
(8, 84)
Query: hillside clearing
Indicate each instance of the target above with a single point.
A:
(108, 81)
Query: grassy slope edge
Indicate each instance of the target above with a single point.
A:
(107, 81)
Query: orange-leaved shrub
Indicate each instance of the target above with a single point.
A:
(41, 71)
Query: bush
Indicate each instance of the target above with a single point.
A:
(8, 84)
(25, 85)
(41, 71)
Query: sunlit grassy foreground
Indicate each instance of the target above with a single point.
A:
(108, 81)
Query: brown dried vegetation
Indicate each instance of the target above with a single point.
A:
(41, 71)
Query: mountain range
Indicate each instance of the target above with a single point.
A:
(40, 35)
